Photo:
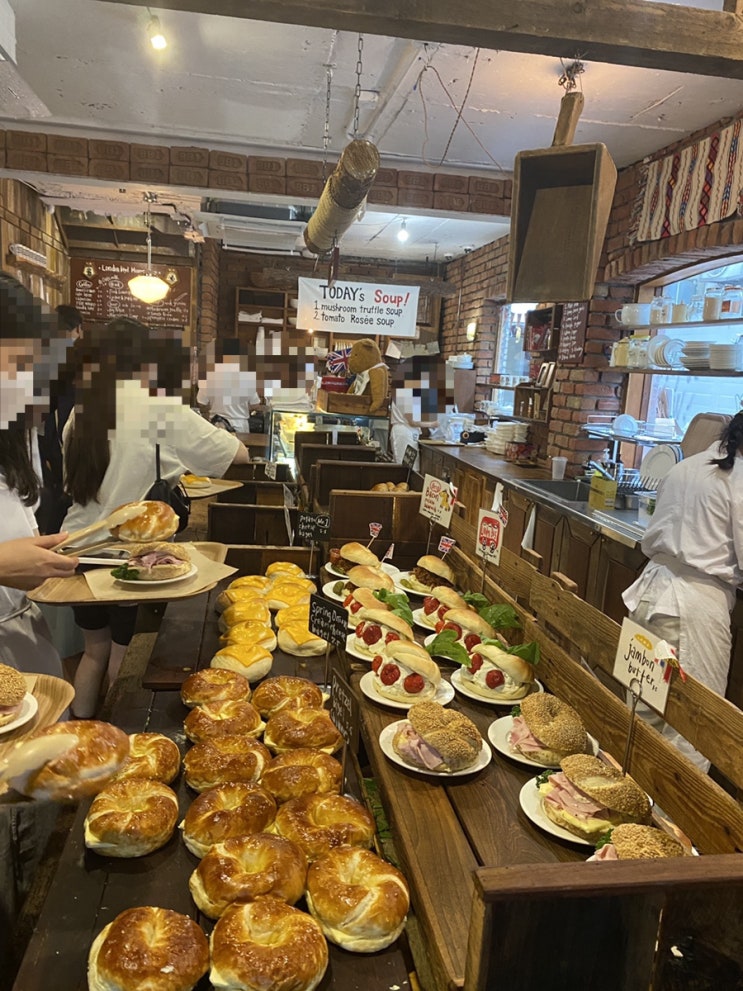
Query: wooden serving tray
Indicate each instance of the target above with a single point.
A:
(216, 485)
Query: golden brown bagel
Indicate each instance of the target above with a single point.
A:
(230, 809)
(286, 692)
(244, 868)
(318, 823)
(225, 758)
(223, 719)
(267, 945)
(153, 520)
(131, 818)
(86, 767)
(12, 693)
(214, 685)
(151, 755)
(294, 728)
(148, 947)
(360, 901)
(302, 772)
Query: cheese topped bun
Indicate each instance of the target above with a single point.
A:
(437, 739)
(587, 797)
(284, 569)
(290, 592)
(372, 578)
(377, 627)
(230, 595)
(405, 672)
(631, 841)
(250, 581)
(496, 674)
(159, 561)
(292, 614)
(249, 659)
(547, 730)
(250, 632)
(12, 693)
(196, 481)
(296, 639)
(147, 519)
(243, 611)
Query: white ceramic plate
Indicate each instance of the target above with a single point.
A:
(624, 424)
(498, 735)
(350, 649)
(385, 742)
(164, 581)
(531, 803)
(403, 588)
(327, 589)
(391, 570)
(368, 685)
(420, 619)
(461, 686)
(29, 708)
(658, 462)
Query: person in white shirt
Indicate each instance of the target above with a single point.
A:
(121, 413)
(229, 388)
(694, 541)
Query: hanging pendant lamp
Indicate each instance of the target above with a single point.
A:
(148, 288)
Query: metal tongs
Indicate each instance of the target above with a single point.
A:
(114, 519)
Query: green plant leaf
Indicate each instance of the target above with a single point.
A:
(501, 616)
(444, 645)
(398, 603)
(603, 839)
(125, 573)
(476, 599)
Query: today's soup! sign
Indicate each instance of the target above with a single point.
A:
(362, 308)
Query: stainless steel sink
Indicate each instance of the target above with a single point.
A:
(569, 489)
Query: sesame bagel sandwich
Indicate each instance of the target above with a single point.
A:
(547, 729)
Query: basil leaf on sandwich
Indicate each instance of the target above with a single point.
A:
(526, 651)
(477, 600)
(445, 644)
(603, 840)
(501, 616)
(397, 602)
(543, 778)
(125, 573)
(515, 711)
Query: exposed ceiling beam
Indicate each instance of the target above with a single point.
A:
(623, 32)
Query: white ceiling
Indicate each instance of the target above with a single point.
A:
(260, 88)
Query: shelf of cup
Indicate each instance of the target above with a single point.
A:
(729, 322)
(691, 372)
(641, 440)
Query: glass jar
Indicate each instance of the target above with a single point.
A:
(712, 303)
(620, 353)
(661, 308)
(637, 356)
(732, 303)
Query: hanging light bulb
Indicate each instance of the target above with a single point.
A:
(149, 288)
(402, 234)
(155, 34)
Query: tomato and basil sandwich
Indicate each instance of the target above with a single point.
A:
(405, 672)
(377, 628)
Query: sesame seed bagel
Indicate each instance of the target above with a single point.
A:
(554, 724)
(605, 784)
(633, 841)
(451, 734)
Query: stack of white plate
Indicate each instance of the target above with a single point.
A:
(665, 352)
(657, 463)
(726, 356)
(695, 355)
(497, 438)
(520, 432)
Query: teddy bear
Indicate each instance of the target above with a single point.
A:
(372, 375)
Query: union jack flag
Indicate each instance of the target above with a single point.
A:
(337, 362)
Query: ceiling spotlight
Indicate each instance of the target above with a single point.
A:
(402, 234)
(155, 34)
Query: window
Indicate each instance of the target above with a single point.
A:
(511, 361)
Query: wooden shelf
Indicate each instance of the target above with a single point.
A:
(705, 372)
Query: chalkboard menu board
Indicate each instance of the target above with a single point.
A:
(344, 709)
(313, 526)
(99, 289)
(572, 332)
(328, 620)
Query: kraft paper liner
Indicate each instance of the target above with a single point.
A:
(216, 485)
(105, 588)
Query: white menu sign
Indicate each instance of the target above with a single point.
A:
(363, 308)
(638, 662)
(437, 500)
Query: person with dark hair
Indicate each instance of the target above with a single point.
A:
(71, 319)
(121, 413)
(694, 542)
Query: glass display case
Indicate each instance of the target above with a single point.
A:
(284, 424)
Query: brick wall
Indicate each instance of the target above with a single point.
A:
(207, 291)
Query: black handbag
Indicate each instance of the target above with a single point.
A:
(177, 497)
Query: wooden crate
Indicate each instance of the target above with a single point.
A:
(329, 475)
(310, 453)
(231, 523)
(351, 512)
(258, 493)
(341, 402)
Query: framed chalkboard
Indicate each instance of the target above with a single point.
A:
(328, 620)
(572, 332)
(312, 526)
(99, 289)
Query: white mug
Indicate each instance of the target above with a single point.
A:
(634, 314)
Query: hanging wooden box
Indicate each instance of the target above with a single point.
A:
(562, 197)
(342, 402)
